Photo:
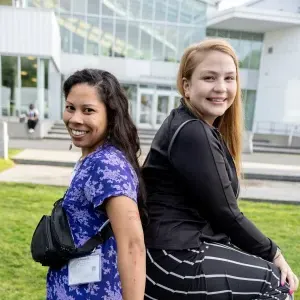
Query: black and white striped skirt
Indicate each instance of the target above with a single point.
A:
(213, 271)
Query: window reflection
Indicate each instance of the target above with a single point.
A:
(107, 38)
(120, 39)
(93, 36)
(9, 66)
(173, 11)
(79, 35)
(133, 42)
(246, 44)
(135, 8)
(107, 8)
(146, 42)
(65, 5)
(158, 45)
(93, 7)
(28, 82)
(79, 6)
(147, 11)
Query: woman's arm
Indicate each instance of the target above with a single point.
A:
(126, 224)
(197, 156)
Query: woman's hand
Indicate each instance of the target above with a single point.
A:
(286, 273)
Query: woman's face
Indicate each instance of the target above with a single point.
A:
(85, 117)
(212, 87)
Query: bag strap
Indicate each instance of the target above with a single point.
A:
(175, 135)
(104, 234)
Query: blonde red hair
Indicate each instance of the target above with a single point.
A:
(231, 124)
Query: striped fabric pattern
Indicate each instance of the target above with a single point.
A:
(212, 272)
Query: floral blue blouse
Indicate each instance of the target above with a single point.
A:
(102, 174)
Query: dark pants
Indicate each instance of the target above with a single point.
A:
(211, 272)
(32, 123)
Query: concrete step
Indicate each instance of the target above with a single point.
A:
(263, 149)
(65, 136)
(65, 132)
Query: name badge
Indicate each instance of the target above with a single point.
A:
(85, 269)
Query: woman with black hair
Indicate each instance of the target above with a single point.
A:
(106, 187)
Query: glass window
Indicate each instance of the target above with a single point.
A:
(107, 37)
(199, 12)
(120, 39)
(9, 66)
(28, 82)
(79, 6)
(147, 10)
(146, 42)
(79, 35)
(65, 39)
(255, 55)
(52, 4)
(249, 99)
(186, 12)
(93, 36)
(121, 8)
(133, 40)
(46, 102)
(173, 11)
(65, 5)
(245, 53)
(131, 93)
(210, 32)
(170, 43)
(184, 39)
(160, 10)
(93, 7)
(134, 9)
(223, 33)
(158, 42)
(108, 8)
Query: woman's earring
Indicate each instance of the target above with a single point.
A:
(71, 145)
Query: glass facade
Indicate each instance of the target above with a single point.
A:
(21, 79)
(249, 100)
(248, 45)
(141, 29)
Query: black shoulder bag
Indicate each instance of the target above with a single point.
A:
(52, 244)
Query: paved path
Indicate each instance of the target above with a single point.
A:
(254, 166)
(275, 191)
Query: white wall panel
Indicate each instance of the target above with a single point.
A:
(29, 31)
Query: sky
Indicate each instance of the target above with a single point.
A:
(230, 3)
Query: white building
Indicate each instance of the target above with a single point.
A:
(141, 41)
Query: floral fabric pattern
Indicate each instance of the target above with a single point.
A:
(102, 174)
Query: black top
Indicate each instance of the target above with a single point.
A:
(192, 189)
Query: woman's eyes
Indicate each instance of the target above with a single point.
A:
(69, 107)
(212, 78)
(86, 110)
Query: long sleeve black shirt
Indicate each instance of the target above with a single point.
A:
(192, 189)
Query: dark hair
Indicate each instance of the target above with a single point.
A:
(121, 130)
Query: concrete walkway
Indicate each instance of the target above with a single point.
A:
(267, 177)
(256, 166)
(256, 190)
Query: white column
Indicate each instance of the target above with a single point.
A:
(41, 88)
(3, 140)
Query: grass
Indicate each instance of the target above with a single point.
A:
(22, 205)
(8, 163)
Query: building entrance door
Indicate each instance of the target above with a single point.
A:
(154, 106)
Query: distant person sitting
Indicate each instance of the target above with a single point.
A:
(33, 118)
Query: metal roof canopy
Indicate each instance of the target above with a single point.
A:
(252, 20)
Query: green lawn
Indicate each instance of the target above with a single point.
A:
(21, 207)
(8, 163)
